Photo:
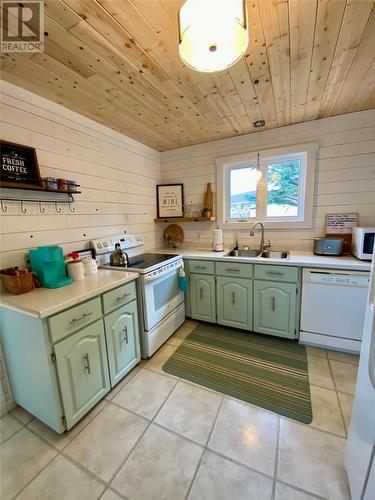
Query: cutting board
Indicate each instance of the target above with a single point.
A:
(208, 199)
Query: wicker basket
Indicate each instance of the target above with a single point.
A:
(19, 284)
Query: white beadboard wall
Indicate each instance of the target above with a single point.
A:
(344, 181)
(117, 175)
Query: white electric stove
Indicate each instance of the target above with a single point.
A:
(162, 308)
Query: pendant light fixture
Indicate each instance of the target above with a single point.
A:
(213, 33)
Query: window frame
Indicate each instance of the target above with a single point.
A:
(307, 152)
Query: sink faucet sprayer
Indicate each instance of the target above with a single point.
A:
(263, 244)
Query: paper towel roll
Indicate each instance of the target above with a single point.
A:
(217, 240)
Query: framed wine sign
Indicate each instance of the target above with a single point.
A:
(170, 200)
(19, 166)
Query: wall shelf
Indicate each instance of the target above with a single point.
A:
(36, 195)
(185, 219)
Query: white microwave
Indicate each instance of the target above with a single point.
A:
(363, 242)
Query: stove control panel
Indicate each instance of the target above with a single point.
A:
(107, 243)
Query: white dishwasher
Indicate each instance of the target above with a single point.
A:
(333, 308)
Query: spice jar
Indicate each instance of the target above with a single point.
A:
(50, 182)
(62, 184)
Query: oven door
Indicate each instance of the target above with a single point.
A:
(160, 297)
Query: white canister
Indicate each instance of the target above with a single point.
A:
(76, 270)
(90, 266)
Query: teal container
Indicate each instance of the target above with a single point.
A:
(49, 267)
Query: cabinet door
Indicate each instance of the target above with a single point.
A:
(83, 371)
(234, 302)
(122, 334)
(275, 308)
(203, 297)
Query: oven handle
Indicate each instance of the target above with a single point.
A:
(147, 279)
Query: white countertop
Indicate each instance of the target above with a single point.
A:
(44, 302)
(302, 259)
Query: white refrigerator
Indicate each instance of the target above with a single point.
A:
(360, 449)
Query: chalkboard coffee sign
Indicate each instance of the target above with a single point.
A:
(19, 166)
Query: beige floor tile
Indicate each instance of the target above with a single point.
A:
(190, 411)
(160, 467)
(145, 393)
(316, 351)
(63, 481)
(60, 441)
(110, 495)
(22, 415)
(346, 402)
(345, 376)
(284, 492)
(319, 372)
(156, 362)
(246, 434)
(344, 357)
(22, 458)
(118, 387)
(180, 335)
(221, 479)
(8, 426)
(312, 460)
(326, 411)
(107, 440)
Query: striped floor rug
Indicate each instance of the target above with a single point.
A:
(263, 370)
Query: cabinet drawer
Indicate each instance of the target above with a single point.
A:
(118, 297)
(234, 269)
(73, 319)
(201, 266)
(276, 273)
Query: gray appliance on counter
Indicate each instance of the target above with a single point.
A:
(328, 246)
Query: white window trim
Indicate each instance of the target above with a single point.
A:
(224, 164)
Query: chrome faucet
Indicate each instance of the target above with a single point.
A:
(263, 244)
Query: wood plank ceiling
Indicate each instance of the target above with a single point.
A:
(117, 61)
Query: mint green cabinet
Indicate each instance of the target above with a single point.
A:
(203, 303)
(234, 302)
(83, 371)
(275, 308)
(122, 335)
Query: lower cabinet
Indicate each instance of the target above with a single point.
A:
(121, 330)
(275, 310)
(234, 302)
(203, 303)
(83, 371)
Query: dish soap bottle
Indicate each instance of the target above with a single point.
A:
(235, 245)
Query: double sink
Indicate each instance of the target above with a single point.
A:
(257, 254)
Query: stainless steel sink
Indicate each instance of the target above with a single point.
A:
(268, 254)
(246, 253)
(275, 255)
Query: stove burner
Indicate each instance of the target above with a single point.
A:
(147, 260)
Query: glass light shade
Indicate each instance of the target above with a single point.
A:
(213, 33)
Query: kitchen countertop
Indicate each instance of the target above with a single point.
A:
(302, 259)
(44, 302)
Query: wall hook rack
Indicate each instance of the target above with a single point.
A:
(36, 195)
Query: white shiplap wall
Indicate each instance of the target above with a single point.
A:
(345, 175)
(117, 177)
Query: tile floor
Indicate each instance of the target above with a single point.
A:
(158, 437)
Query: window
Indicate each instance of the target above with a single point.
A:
(277, 188)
